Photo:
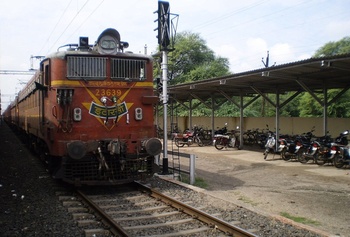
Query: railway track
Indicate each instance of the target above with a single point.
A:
(142, 211)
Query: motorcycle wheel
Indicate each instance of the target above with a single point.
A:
(299, 154)
(303, 159)
(219, 144)
(266, 153)
(200, 143)
(320, 159)
(283, 154)
(338, 161)
(238, 144)
(178, 143)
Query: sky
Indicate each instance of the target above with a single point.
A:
(242, 31)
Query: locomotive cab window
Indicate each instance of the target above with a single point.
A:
(128, 69)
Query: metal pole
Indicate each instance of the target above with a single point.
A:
(192, 168)
(165, 111)
(241, 122)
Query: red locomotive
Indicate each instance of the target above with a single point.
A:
(88, 111)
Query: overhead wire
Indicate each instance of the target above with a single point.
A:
(257, 18)
(280, 30)
(85, 20)
(54, 28)
(228, 15)
(75, 16)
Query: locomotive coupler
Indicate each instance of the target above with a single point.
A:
(103, 166)
(114, 147)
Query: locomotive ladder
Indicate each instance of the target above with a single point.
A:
(175, 154)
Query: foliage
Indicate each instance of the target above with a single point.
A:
(333, 48)
(192, 60)
(308, 107)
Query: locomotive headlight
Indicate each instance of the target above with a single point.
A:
(114, 99)
(104, 100)
(138, 114)
(77, 114)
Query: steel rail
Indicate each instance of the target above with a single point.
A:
(200, 215)
(114, 227)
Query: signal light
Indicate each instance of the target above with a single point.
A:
(159, 86)
(163, 24)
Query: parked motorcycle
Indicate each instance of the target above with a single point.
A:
(294, 148)
(228, 140)
(221, 131)
(188, 138)
(290, 148)
(329, 150)
(343, 157)
(261, 138)
(315, 148)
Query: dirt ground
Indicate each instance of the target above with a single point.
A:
(320, 194)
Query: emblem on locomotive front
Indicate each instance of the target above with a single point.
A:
(111, 112)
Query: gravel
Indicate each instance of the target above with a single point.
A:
(274, 187)
(28, 202)
(29, 205)
(258, 224)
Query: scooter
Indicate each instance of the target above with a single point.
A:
(270, 143)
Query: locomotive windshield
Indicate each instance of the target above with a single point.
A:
(95, 68)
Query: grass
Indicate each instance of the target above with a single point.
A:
(299, 219)
(198, 182)
(247, 200)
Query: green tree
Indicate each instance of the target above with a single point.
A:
(334, 48)
(192, 60)
(308, 107)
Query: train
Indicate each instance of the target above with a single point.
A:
(88, 111)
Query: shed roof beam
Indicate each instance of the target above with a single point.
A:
(338, 95)
(229, 98)
(310, 91)
(263, 95)
(198, 98)
(290, 98)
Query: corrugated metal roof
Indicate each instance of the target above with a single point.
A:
(312, 74)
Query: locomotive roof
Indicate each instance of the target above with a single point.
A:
(63, 54)
(108, 44)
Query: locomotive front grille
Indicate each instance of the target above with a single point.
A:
(86, 67)
(88, 171)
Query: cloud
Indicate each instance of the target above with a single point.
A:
(338, 29)
(281, 53)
